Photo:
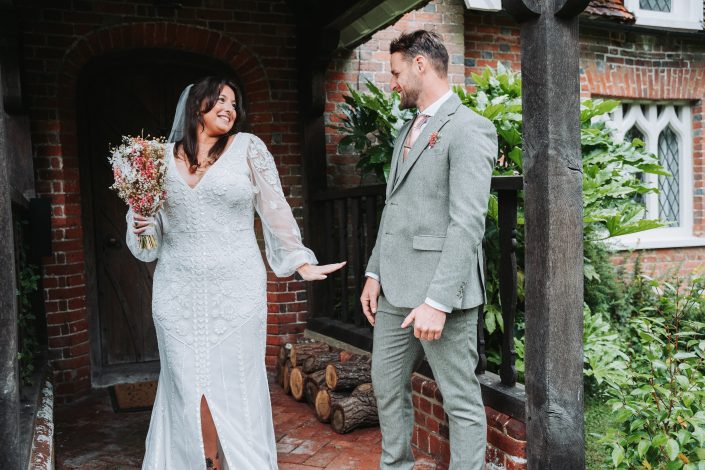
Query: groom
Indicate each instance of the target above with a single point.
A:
(426, 268)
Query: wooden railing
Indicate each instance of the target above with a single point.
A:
(351, 220)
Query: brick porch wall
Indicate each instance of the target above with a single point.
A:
(506, 436)
(58, 40)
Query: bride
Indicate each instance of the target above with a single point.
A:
(209, 305)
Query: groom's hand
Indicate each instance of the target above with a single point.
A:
(370, 294)
(428, 322)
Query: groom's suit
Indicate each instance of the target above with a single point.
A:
(429, 249)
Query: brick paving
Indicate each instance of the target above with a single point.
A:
(90, 436)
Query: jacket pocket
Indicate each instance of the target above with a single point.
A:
(428, 243)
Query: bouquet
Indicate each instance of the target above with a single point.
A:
(139, 166)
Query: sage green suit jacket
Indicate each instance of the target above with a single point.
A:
(429, 243)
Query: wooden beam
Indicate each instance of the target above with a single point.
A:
(315, 49)
(554, 237)
(9, 374)
(10, 89)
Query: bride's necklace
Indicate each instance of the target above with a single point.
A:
(201, 167)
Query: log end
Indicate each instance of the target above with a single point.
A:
(331, 376)
(296, 383)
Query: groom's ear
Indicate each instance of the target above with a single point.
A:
(420, 62)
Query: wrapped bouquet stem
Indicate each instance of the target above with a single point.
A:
(139, 166)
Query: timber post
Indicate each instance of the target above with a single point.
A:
(554, 231)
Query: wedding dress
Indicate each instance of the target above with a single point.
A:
(209, 307)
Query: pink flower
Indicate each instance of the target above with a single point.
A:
(432, 139)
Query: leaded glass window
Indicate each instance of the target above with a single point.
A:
(635, 133)
(667, 14)
(669, 187)
(656, 5)
(666, 130)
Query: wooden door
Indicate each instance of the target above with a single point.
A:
(135, 94)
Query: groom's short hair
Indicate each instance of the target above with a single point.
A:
(425, 43)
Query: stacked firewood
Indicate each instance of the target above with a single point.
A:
(335, 383)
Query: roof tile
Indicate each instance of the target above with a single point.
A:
(611, 9)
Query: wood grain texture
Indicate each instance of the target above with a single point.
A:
(554, 242)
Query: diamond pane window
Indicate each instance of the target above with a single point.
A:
(669, 187)
(683, 15)
(666, 130)
(635, 133)
(656, 5)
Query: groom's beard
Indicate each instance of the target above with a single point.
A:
(410, 97)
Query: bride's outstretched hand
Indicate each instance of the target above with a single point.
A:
(313, 272)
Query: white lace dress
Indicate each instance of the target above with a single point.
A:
(209, 307)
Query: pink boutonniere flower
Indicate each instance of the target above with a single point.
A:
(433, 139)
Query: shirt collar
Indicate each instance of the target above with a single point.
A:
(435, 106)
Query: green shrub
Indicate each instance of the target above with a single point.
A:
(29, 348)
(659, 405)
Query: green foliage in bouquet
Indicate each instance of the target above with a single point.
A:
(659, 402)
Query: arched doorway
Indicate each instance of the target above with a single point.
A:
(134, 93)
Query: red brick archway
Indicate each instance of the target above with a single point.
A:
(58, 176)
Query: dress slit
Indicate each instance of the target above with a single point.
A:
(220, 451)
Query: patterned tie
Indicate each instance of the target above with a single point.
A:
(414, 133)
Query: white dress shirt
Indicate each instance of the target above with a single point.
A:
(429, 111)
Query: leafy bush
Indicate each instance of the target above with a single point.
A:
(29, 347)
(370, 123)
(659, 404)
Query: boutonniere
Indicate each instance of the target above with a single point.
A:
(433, 139)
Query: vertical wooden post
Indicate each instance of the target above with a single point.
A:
(9, 374)
(314, 52)
(554, 243)
(508, 201)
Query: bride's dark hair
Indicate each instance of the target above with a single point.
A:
(201, 99)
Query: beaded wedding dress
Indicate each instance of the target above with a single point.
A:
(209, 307)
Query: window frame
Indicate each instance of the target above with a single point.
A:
(484, 5)
(651, 124)
(685, 15)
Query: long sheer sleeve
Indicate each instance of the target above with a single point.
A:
(132, 240)
(284, 249)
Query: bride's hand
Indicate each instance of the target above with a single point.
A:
(312, 272)
(141, 223)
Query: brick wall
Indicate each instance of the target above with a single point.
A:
(663, 262)
(489, 39)
(254, 38)
(506, 436)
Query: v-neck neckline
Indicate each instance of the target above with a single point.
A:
(205, 174)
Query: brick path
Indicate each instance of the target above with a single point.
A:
(90, 436)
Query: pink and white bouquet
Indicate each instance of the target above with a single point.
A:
(139, 166)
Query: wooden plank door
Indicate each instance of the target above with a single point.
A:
(134, 95)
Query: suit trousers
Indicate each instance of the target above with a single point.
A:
(396, 353)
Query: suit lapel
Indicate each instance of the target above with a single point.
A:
(435, 124)
(396, 154)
